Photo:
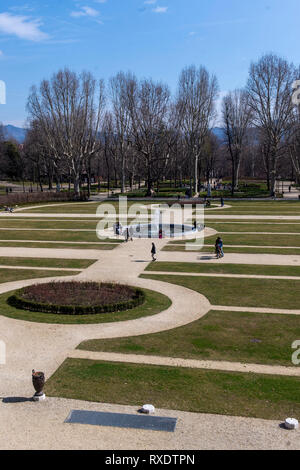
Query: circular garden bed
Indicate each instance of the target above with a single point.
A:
(77, 298)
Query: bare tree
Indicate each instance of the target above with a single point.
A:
(148, 105)
(69, 110)
(270, 91)
(197, 93)
(294, 143)
(237, 115)
(119, 92)
(210, 155)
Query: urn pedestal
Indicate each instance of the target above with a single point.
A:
(38, 381)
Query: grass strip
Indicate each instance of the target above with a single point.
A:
(47, 262)
(194, 390)
(45, 235)
(9, 275)
(255, 338)
(251, 240)
(213, 268)
(261, 293)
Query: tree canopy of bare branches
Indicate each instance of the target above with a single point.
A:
(237, 115)
(197, 93)
(69, 109)
(269, 90)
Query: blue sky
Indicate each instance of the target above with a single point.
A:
(153, 38)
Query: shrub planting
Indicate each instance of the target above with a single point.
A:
(77, 298)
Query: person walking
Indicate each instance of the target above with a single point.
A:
(219, 248)
(153, 252)
(126, 235)
(130, 233)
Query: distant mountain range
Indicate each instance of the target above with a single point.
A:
(16, 133)
(19, 133)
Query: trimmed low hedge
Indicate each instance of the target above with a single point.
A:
(18, 302)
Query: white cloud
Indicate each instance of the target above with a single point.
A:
(23, 27)
(85, 11)
(160, 10)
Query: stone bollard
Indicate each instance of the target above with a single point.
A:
(291, 423)
(148, 409)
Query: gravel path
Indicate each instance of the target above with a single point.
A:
(30, 425)
(189, 363)
(230, 258)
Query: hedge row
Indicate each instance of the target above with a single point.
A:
(18, 302)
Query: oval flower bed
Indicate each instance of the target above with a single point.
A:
(77, 298)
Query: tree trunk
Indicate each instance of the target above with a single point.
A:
(196, 174)
(76, 181)
(123, 183)
(236, 174)
(149, 181)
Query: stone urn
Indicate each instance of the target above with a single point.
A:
(38, 381)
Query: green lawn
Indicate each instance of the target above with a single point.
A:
(252, 240)
(61, 208)
(262, 211)
(154, 303)
(22, 223)
(48, 235)
(263, 293)
(251, 222)
(219, 336)
(82, 207)
(8, 275)
(258, 240)
(260, 208)
(262, 227)
(213, 268)
(48, 224)
(47, 262)
(194, 390)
